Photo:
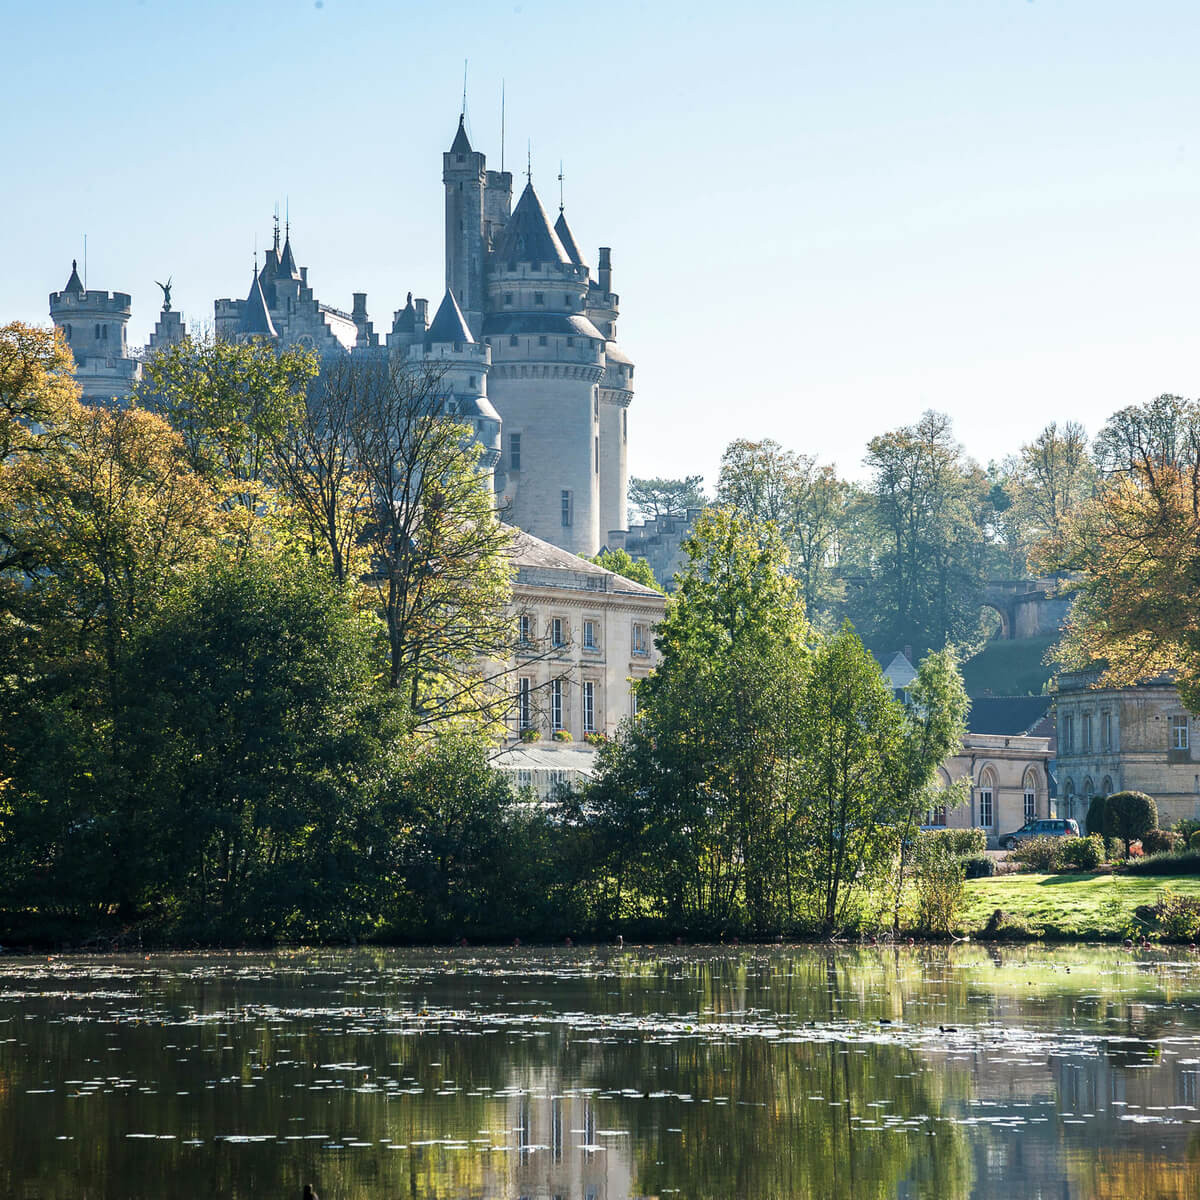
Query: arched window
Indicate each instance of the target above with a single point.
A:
(1089, 789)
(987, 798)
(67, 332)
(1106, 788)
(936, 815)
(1029, 791)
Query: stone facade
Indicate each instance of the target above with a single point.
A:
(659, 542)
(1005, 760)
(1126, 739)
(585, 636)
(1008, 780)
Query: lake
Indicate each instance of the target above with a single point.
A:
(602, 1074)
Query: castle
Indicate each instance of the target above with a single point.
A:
(524, 340)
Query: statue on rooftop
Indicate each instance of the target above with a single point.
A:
(166, 291)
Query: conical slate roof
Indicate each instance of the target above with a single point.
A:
(448, 324)
(74, 284)
(287, 262)
(461, 143)
(256, 319)
(564, 235)
(527, 237)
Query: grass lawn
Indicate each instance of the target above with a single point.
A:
(1083, 906)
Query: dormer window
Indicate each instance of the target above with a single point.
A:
(541, 339)
(570, 341)
(513, 340)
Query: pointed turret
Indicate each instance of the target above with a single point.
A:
(256, 319)
(527, 237)
(74, 286)
(564, 235)
(287, 268)
(461, 143)
(449, 325)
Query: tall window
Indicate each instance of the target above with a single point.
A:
(1068, 734)
(639, 638)
(987, 801)
(514, 451)
(557, 634)
(1087, 733)
(525, 702)
(936, 816)
(526, 629)
(1106, 738)
(633, 700)
(589, 635)
(1179, 733)
(589, 707)
(556, 704)
(597, 456)
(566, 508)
(1030, 803)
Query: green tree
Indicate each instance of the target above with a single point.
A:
(701, 778)
(925, 556)
(259, 749)
(622, 563)
(232, 403)
(1129, 816)
(658, 497)
(803, 499)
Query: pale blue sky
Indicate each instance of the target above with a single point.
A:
(825, 217)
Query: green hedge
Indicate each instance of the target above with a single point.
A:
(1187, 863)
(960, 842)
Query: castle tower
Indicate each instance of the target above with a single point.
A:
(616, 394)
(93, 325)
(547, 362)
(255, 319)
(464, 174)
(463, 364)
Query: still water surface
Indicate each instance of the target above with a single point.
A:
(594, 1075)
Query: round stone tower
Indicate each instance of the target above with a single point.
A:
(93, 325)
(547, 362)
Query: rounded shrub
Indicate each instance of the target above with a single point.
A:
(978, 866)
(1094, 821)
(1081, 854)
(1194, 841)
(1129, 815)
(1161, 841)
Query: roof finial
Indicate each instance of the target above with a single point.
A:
(463, 114)
(501, 126)
(529, 162)
(287, 217)
(276, 224)
(560, 186)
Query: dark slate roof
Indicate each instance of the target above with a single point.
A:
(615, 354)
(564, 235)
(287, 262)
(461, 143)
(527, 237)
(74, 284)
(256, 320)
(1007, 716)
(540, 322)
(448, 324)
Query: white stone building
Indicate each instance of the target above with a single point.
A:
(1004, 760)
(1126, 739)
(585, 637)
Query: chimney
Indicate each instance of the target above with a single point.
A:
(604, 271)
(422, 310)
(908, 653)
(360, 306)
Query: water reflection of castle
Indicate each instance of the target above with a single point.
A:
(558, 1151)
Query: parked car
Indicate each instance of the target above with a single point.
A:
(1046, 827)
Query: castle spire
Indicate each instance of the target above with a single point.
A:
(527, 236)
(449, 325)
(256, 318)
(73, 284)
(461, 143)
